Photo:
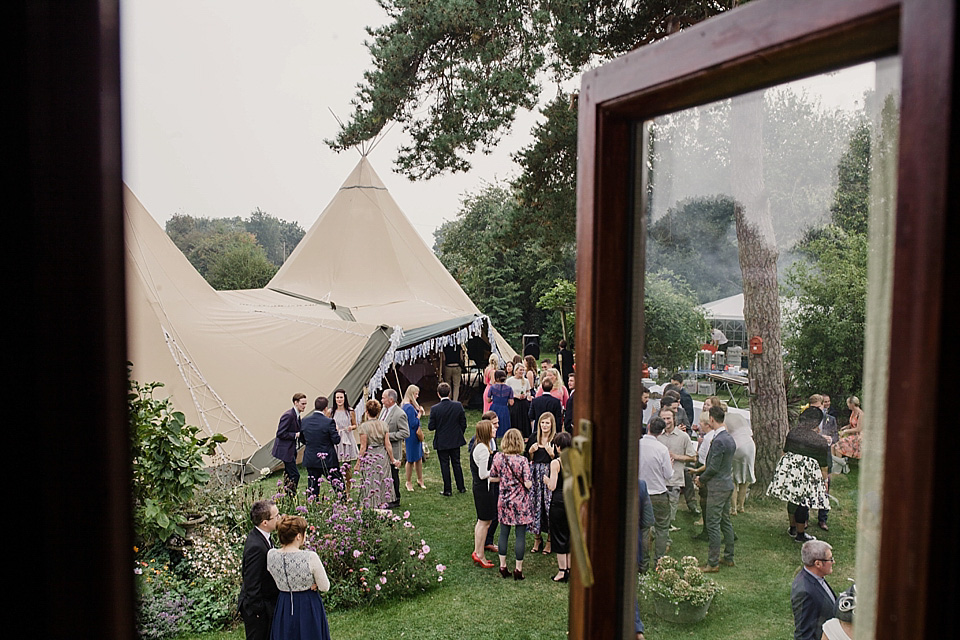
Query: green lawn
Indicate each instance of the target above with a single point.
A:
(477, 603)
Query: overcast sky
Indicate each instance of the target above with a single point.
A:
(226, 104)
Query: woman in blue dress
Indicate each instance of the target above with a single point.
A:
(414, 441)
(501, 397)
(300, 576)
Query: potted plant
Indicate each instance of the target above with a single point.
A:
(679, 590)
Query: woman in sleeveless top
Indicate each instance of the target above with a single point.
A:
(559, 527)
(375, 458)
(346, 421)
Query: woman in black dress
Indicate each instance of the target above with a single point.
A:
(559, 527)
(481, 451)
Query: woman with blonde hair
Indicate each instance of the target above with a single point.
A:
(481, 451)
(849, 443)
(414, 442)
(488, 380)
(374, 459)
(541, 452)
(511, 468)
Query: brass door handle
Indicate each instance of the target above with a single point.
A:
(577, 480)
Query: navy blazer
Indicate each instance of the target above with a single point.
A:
(811, 606)
(319, 433)
(448, 419)
(285, 444)
(544, 404)
(258, 594)
(568, 415)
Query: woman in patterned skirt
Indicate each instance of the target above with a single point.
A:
(541, 451)
(801, 473)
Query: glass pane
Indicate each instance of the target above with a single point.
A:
(767, 224)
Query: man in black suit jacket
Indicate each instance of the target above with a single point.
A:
(448, 419)
(568, 410)
(258, 594)
(813, 600)
(545, 403)
(718, 478)
(319, 434)
(285, 444)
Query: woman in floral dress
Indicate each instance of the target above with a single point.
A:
(512, 470)
(849, 443)
(801, 474)
(374, 459)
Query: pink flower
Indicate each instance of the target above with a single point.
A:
(378, 587)
(356, 553)
(426, 548)
(383, 580)
(439, 578)
(406, 514)
(441, 568)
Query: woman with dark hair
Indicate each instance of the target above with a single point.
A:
(300, 576)
(530, 364)
(513, 506)
(346, 419)
(374, 459)
(559, 527)
(481, 449)
(501, 398)
(800, 477)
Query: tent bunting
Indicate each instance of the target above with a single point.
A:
(430, 346)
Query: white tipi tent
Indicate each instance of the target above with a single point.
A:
(361, 293)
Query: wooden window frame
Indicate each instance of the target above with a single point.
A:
(753, 47)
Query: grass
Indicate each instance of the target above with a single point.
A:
(474, 603)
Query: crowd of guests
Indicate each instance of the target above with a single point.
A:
(705, 462)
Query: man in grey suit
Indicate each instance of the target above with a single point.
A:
(397, 430)
(718, 478)
(812, 599)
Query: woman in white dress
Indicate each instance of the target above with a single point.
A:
(300, 576)
(743, 459)
(346, 421)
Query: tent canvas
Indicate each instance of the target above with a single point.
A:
(361, 292)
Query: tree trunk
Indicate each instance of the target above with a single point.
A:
(758, 263)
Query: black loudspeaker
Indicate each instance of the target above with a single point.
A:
(531, 345)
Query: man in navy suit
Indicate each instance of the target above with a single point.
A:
(319, 434)
(448, 419)
(718, 478)
(813, 600)
(285, 444)
(568, 410)
(258, 594)
(545, 403)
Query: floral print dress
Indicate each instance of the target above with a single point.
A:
(514, 472)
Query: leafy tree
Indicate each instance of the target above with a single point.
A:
(674, 326)
(218, 244)
(825, 327)
(473, 63)
(697, 239)
(501, 272)
(167, 462)
(241, 266)
(563, 299)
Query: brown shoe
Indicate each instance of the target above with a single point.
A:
(728, 563)
(709, 569)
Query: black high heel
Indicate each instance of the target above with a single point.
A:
(504, 572)
(517, 574)
(565, 577)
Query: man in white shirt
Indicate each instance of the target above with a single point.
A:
(656, 468)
